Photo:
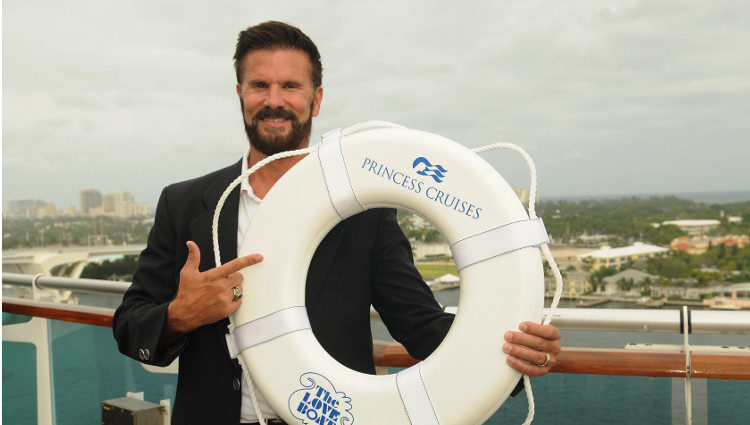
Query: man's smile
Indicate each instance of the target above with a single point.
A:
(275, 122)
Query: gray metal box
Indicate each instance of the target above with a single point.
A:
(129, 411)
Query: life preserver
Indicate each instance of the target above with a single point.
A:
(493, 242)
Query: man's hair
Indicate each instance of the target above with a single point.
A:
(277, 35)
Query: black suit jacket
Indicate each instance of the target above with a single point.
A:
(364, 260)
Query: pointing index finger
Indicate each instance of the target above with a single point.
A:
(236, 265)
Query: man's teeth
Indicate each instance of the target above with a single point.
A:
(276, 119)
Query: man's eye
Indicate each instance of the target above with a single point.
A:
(291, 85)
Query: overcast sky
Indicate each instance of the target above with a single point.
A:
(608, 97)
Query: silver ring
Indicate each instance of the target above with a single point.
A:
(237, 294)
(546, 362)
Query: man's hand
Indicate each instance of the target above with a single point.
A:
(526, 349)
(206, 297)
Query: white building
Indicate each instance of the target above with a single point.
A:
(424, 250)
(616, 257)
(694, 227)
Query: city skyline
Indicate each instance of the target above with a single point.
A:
(617, 98)
(92, 203)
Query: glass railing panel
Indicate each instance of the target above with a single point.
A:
(19, 381)
(89, 369)
(728, 401)
(12, 319)
(591, 399)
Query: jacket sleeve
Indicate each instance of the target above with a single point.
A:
(402, 298)
(139, 321)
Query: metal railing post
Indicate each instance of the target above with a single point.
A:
(686, 329)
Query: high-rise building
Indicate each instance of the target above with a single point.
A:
(124, 196)
(69, 211)
(90, 198)
(108, 204)
(49, 210)
(124, 210)
(24, 207)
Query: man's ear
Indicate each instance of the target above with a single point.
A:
(318, 99)
(239, 93)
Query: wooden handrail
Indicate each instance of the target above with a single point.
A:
(89, 315)
(591, 361)
(610, 361)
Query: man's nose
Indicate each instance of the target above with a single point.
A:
(274, 97)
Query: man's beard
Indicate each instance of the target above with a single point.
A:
(275, 143)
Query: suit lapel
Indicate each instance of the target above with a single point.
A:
(200, 229)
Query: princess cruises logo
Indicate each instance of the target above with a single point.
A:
(422, 166)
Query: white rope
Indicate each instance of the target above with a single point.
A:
(219, 205)
(545, 250)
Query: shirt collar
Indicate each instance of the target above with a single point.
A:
(245, 184)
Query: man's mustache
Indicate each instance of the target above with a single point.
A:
(269, 113)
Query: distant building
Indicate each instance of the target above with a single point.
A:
(108, 204)
(125, 210)
(616, 257)
(699, 245)
(123, 197)
(575, 283)
(734, 219)
(49, 210)
(592, 241)
(737, 295)
(69, 211)
(695, 227)
(612, 285)
(668, 291)
(524, 195)
(424, 250)
(96, 212)
(90, 198)
(24, 208)
(119, 204)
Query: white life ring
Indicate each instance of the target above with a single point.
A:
(467, 377)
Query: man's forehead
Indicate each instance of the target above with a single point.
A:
(283, 62)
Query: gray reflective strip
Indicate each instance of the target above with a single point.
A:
(414, 395)
(336, 176)
(266, 328)
(498, 241)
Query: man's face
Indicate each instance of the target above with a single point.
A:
(278, 99)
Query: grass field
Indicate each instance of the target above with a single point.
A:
(432, 271)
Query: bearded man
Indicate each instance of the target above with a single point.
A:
(178, 303)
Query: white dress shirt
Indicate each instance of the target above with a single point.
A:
(249, 203)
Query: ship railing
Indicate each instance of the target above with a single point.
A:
(683, 361)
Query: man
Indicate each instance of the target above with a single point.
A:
(178, 302)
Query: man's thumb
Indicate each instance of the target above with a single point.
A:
(194, 257)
